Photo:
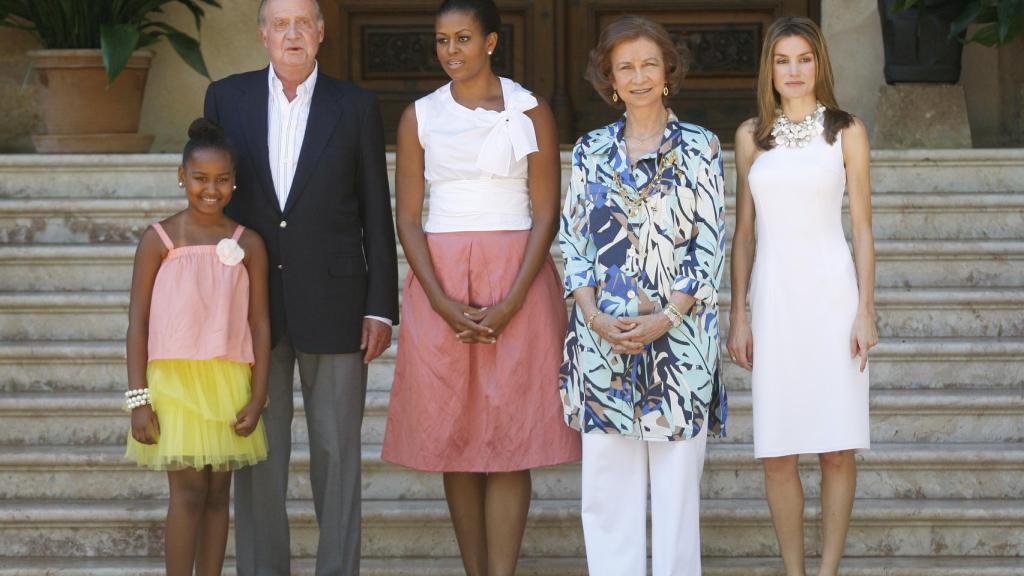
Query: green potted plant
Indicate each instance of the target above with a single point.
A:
(93, 66)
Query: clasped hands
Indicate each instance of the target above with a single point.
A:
(629, 335)
(474, 324)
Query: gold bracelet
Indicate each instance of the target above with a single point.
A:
(674, 316)
(590, 319)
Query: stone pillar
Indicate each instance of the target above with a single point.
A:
(921, 116)
(854, 37)
(993, 79)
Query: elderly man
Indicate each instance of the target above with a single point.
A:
(312, 180)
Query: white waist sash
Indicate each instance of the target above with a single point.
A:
(478, 205)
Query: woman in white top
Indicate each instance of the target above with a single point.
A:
(475, 394)
(813, 313)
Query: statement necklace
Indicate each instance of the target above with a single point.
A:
(633, 201)
(793, 135)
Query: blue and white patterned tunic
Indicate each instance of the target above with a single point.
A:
(636, 253)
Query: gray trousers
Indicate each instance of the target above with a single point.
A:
(334, 394)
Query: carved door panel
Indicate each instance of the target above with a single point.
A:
(387, 46)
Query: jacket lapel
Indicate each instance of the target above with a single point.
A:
(254, 113)
(323, 115)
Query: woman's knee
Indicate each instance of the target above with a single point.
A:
(839, 460)
(781, 468)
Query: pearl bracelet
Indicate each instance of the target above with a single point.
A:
(136, 398)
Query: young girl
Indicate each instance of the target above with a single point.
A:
(198, 353)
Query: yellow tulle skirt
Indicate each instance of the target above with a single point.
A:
(196, 402)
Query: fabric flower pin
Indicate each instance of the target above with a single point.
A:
(229, 252)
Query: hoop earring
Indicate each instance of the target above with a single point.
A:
(615, 96)
(665, 90)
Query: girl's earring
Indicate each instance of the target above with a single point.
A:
(615, 95)
(181, 184)
(665, 90)
(234, 187)
(489, 52)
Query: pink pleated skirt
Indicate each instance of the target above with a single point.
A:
(480, 407)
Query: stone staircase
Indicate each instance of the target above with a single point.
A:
(940, 494)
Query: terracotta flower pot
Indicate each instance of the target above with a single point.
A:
(80, 111)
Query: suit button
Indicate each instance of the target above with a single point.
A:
(284, 224)
(280, 266)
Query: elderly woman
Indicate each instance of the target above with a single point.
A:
(642, 235)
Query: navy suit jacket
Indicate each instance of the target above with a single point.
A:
(332, 248)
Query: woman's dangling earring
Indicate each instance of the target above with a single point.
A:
(665, 90)
(615, 95)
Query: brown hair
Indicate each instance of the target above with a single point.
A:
(599, 66)
(768, 100)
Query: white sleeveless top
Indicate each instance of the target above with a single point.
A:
(475, 161)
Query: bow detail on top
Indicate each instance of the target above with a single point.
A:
(511, 135)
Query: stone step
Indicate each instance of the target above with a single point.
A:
(153, 175)
(896, 216)
(925, 312)
(421, 528)
(711, 566)
(964, 416)
(907, 363)
(897, 471)
(896, 416)
(81, 221)
(900, 263)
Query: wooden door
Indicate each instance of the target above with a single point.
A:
(387, 46)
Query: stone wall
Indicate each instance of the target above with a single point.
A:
(992, 79)
(174, 95)
(18, 114)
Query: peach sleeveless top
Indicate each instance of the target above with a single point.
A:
(200, 306)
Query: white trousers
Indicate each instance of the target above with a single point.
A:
(616, 470)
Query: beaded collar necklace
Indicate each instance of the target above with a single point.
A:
(791, 134)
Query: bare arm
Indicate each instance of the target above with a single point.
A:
(741, 346)
(259, 326)
(544, 181)
(148, 257)
(409, 194)
(857, 157)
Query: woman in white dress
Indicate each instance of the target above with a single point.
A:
(813, 316)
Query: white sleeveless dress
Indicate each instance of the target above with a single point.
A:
(809, 396)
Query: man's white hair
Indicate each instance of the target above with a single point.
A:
(263, 4)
